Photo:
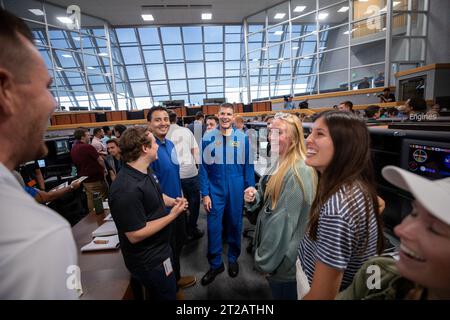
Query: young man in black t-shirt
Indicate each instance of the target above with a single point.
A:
(138, 209)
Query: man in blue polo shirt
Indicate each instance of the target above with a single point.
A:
(167, 170)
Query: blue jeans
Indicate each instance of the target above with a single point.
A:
(158, 285)
(191, 191)
(283, 290)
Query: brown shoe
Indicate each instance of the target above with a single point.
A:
(179, 295)
(186, 282)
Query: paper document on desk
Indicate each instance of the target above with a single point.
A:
(102, 243)
(108, 217)
(105, 205)
(106, 229)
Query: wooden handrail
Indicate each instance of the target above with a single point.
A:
(96, 124)
(333, 94)
(422, 69)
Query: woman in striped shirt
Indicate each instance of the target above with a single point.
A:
(344, 229)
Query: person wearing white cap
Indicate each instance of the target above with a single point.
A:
(422, 270)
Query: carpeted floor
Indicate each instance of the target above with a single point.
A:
(248, 285)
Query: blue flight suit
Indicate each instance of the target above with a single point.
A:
(225, 172)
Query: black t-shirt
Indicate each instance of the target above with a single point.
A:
(136, 198)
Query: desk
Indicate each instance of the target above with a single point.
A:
(103, 273)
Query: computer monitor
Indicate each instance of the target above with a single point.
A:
(430, 159)
(62, 147)
(41, 163)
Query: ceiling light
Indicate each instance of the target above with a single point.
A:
(322, 48)
(91, 68)
(279, 16)
(322, 16)
(77, 38)
(206, 16)
(363, 0)
(66, 55)
(278, 33)
(343, 9)
(64, 19)
(307, 57)
(103, 54)
(37, 41)
(299, 8)
(37, 12)
(255, 60)
(147, 17)
(294, 48)
(280, 59)
(396, 3)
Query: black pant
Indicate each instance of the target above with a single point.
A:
(191, 191)
(177, 240)
(158, 285)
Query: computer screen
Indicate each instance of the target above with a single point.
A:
(41, 163)
(62, 147)
(429, 159)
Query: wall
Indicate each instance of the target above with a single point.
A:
(438, 45)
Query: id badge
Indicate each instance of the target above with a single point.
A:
(167, 267)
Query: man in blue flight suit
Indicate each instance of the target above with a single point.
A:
(225, 172)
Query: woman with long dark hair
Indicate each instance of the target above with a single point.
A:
(344, 229)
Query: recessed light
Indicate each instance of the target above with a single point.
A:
(279, 16)
(147, 17)
(294, 48)
(396, 3)
(64, 19)
(103, 54)
(36, 12)
(278, 33)
(307, 57)
(280, 59)
(66, 55)
(91, 68)
(363, 0)
(343, 9)
(299, 8)
(322, 16)
(206, 16)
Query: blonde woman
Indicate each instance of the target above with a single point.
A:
(283, 199)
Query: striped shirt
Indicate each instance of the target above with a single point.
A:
(341, 235)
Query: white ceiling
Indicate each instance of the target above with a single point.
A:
(128, 12)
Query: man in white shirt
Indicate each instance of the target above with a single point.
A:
(188, 156)
(97, 142)
(38, 256)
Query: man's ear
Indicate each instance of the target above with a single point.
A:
(7, 99)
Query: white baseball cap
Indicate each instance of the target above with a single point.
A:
(434, 195)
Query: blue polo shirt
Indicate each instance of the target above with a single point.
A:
(167, 169)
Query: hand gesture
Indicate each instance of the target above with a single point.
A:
(179, 207)
(75, 184)
(207, 204)
(250, 194)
